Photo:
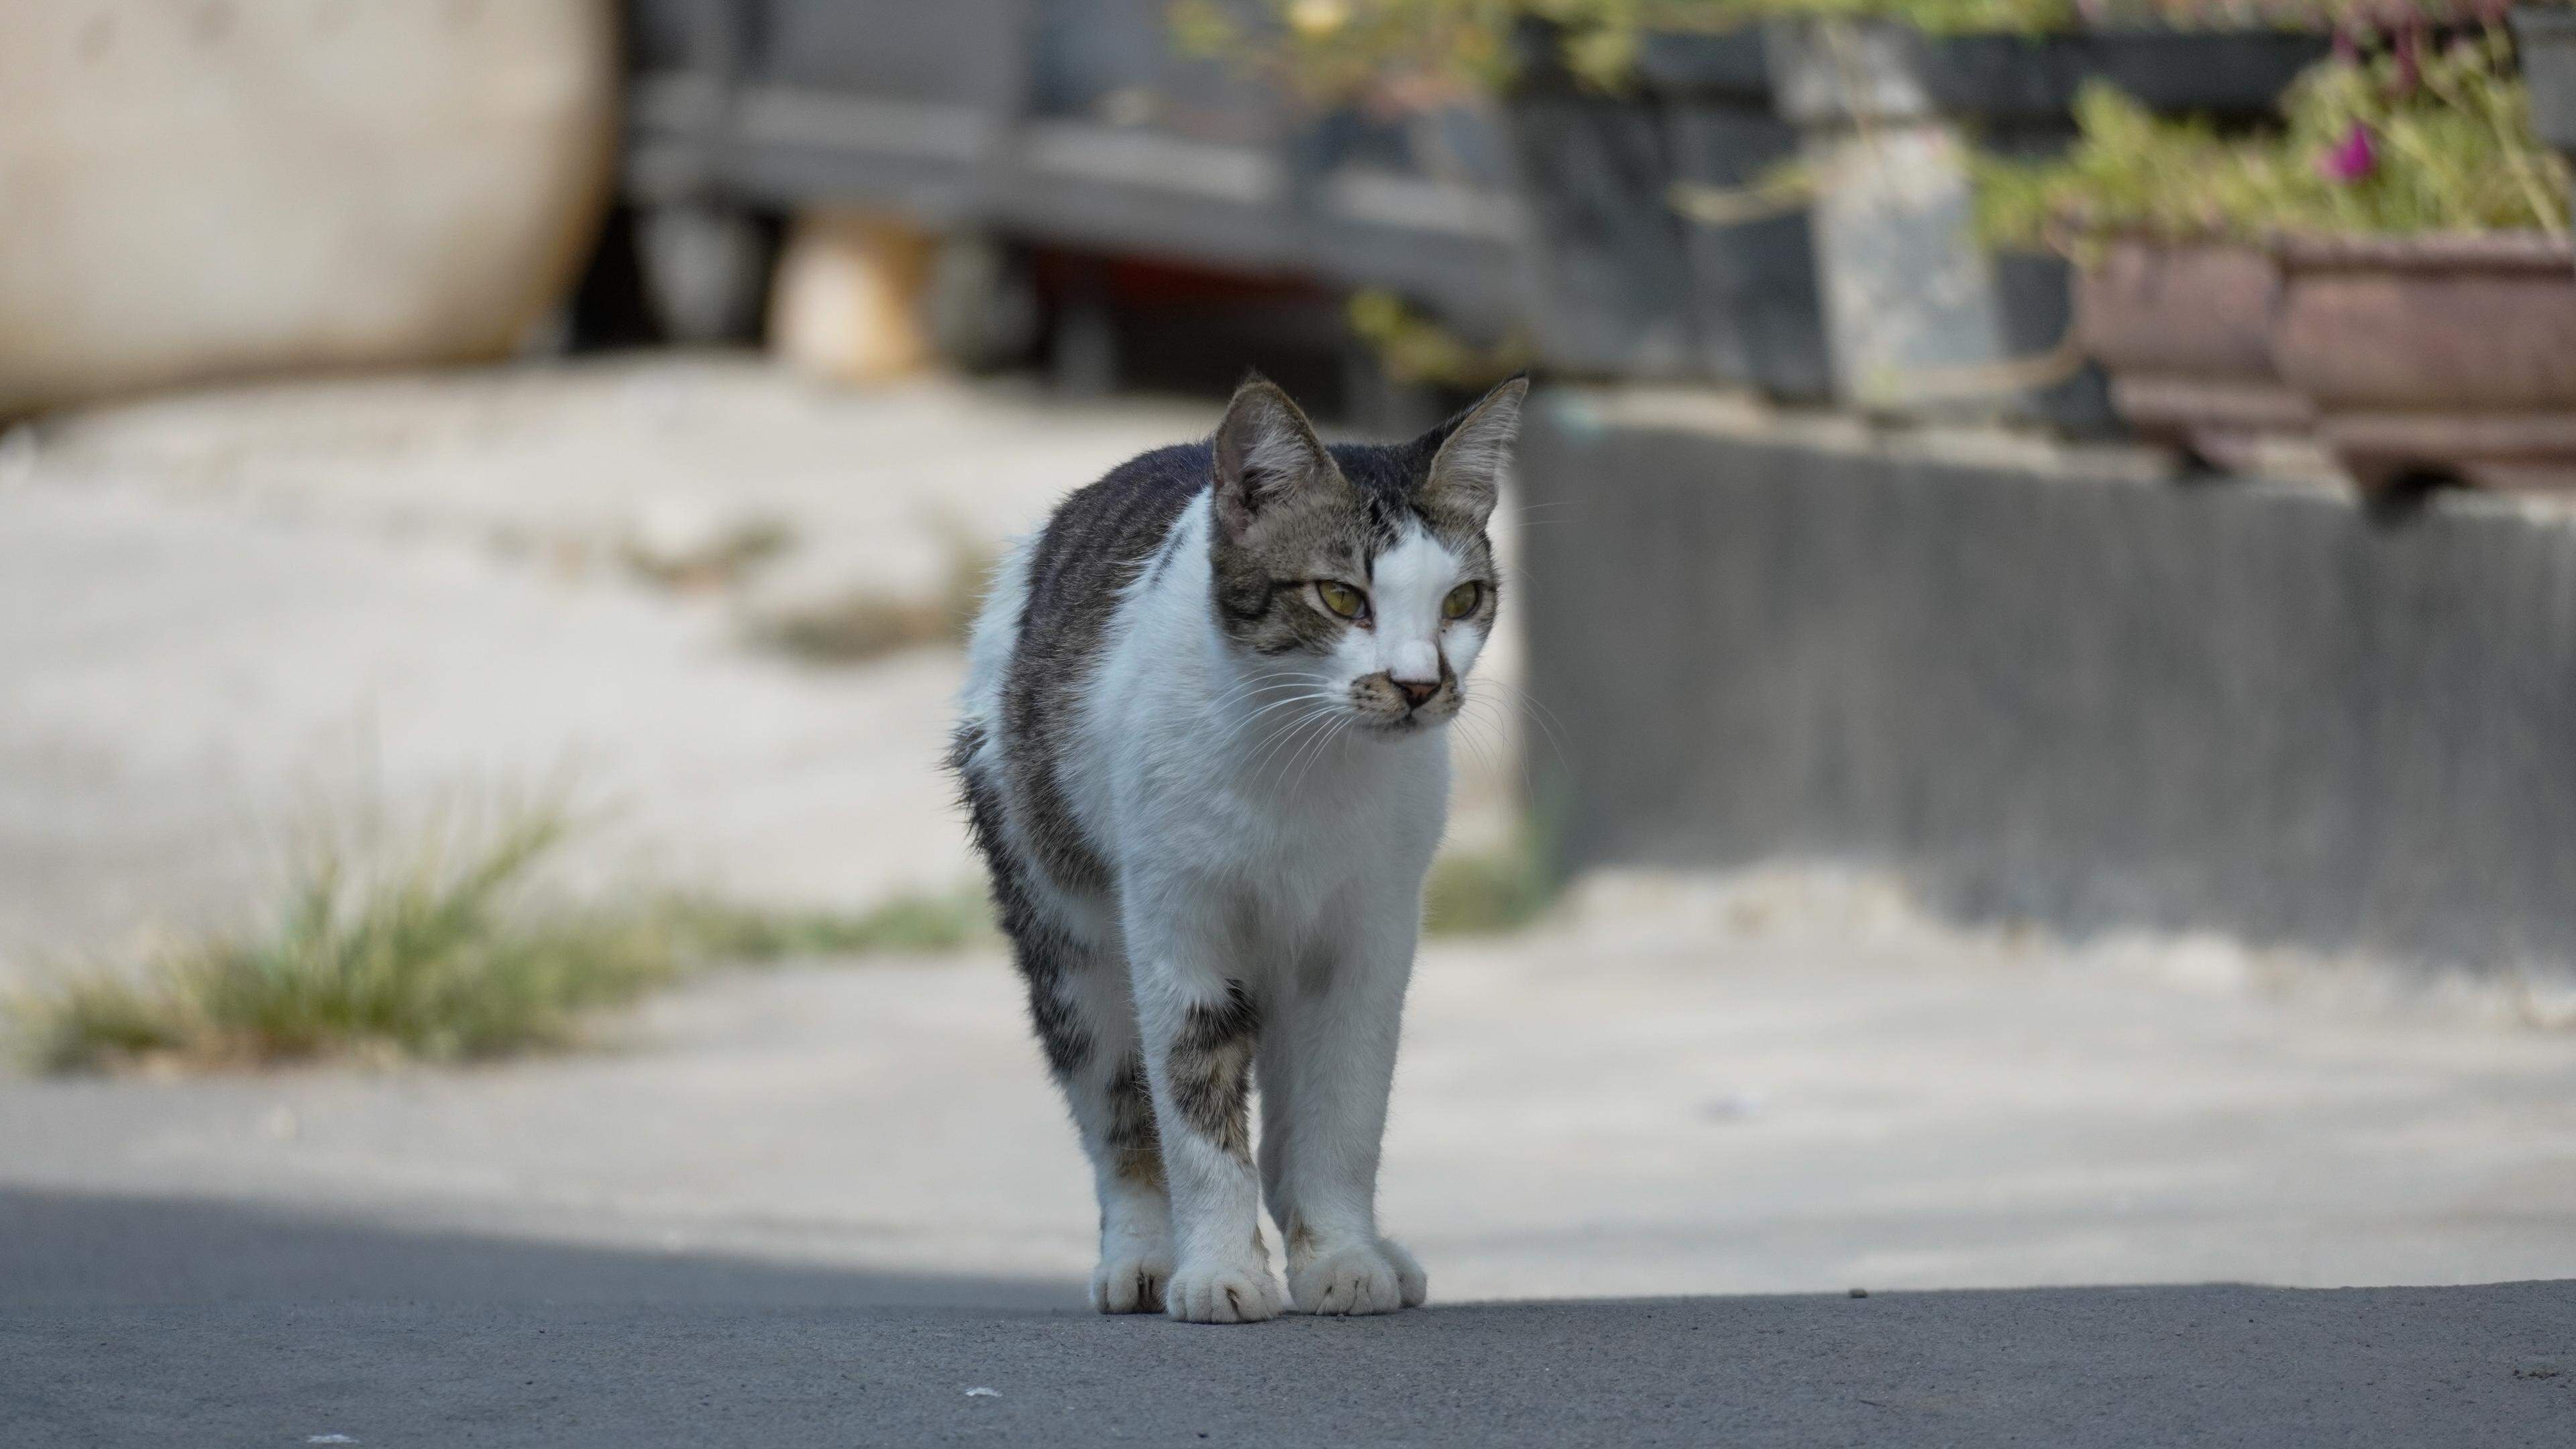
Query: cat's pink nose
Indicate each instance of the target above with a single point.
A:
(1416, 694)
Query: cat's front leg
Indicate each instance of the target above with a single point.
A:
(1335, 1054)
(1201, 1028)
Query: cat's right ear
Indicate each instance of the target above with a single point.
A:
(1266, 453)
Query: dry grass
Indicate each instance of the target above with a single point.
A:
(451, 948)
(717, 562)
(867, 624)
(1487, 892)
(453, 951)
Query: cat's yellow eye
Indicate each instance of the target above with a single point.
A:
(1462, 601)
(1342, 599)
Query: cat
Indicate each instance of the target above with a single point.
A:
(1203, 752)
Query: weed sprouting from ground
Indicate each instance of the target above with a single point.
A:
(868, 624)
(453, 950)
(1486, 892)
(906, 925)
(723, 556)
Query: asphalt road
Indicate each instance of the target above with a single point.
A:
(134, 1322)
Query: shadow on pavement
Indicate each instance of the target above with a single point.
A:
(126, 1321)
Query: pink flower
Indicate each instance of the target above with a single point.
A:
(2352, 158)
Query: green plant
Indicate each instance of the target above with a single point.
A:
(448, 949)
(1413, 348)
(912, 925)
(1487, 892)
(2417, 138)
(869, 623)
(2132, 173)
(1956, 17)
(2409, 139)
(436, 955)
(1412, 50)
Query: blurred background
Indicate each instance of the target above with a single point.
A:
(2034, 743)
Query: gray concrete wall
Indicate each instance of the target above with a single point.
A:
(2044, 692)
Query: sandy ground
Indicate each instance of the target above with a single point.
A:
(215, 609)
(221, 615)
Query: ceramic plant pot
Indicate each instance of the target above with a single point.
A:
(2436, 359)
(2185, 331)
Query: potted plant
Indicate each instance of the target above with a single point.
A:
(2176, 289)
(2430, 307)
(1606, 106)
(2397, 253)
(1896, 97)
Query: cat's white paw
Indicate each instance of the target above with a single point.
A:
(1130, 1282)
(1411, 1282)
(1221, 1293)
(1360, 1277)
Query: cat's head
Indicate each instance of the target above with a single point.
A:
(1364, 571)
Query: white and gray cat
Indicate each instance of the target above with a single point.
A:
(1203, 750)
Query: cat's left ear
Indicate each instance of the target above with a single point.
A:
(1466, 474)
(1266, 454)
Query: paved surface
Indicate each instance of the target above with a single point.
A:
(1645, 1104)
(819, 1204)
(145, 1323)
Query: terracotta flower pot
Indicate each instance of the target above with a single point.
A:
(2185, 330)
(2448, 358)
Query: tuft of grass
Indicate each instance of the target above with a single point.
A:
(440, 957)
(1487, 892)
(907, 925)
(711, 563)
(858, 627)
(453, 953)
(868, 624)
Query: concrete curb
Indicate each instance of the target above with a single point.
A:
(2052, 691)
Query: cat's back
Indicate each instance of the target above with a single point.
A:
(1093, 546)
(1042, 634)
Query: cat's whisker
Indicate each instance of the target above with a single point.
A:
(1254, 679)
(1464, 722)
(1488, 736)
(1482, 736)
(1323, 744)
(1307, 730)
(1468, 722)
(1281, 728)
(1261, 684)
(1289, 731)
(1260, 748)
(1539, 715)
(1305, 696)
(1498, 721)
(1288, 693)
